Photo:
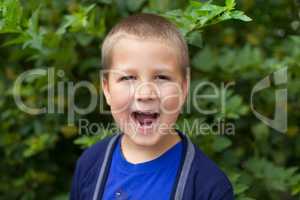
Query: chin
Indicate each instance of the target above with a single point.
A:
(145, 140)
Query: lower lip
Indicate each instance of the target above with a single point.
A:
(147, 129)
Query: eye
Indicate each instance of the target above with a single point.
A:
(125, 78)
(163, 77)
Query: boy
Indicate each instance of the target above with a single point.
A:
(146, 84)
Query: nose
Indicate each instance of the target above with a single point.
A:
(146, 91)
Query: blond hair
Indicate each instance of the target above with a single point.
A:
(146, 26)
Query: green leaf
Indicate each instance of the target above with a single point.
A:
(18, 40)
(211, 7)
(105, 1)
(77, 21)
(204, 60)
(197, 15)
(33, 22)
(261, 132)
(33, 36)
(37, 144)
(275, 177)
(195, 4)
(240, 188)
(230, 4)
(234, 106)
(11, 14)
(296, 189)
(195, 39)
(221, 143)
(162, 5)
(240, 15)
(134, 5)
(87, 141)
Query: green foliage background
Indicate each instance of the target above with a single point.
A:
(38, 152)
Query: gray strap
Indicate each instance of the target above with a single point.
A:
(104, 164)
(190, 153)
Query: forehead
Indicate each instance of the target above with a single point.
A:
(134, 52)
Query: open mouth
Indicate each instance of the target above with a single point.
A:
(145, 119)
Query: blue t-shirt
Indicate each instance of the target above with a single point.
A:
(147, 180)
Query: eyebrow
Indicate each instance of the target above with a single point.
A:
(120, 72)
(164, 71)
(157, 70)
(129, 70)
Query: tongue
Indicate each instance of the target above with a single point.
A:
(145, 118)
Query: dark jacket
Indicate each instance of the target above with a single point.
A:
(198, 177)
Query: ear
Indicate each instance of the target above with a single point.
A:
(105, 88)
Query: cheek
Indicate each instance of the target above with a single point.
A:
(121, 98)
(171, 98)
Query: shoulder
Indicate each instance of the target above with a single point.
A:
(210, 178)
(87, 167)
(205, 167)
(92, 155)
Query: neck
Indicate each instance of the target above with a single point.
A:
(136, 153)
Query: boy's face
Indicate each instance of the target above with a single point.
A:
(145, 89)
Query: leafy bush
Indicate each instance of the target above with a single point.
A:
(39, 151)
